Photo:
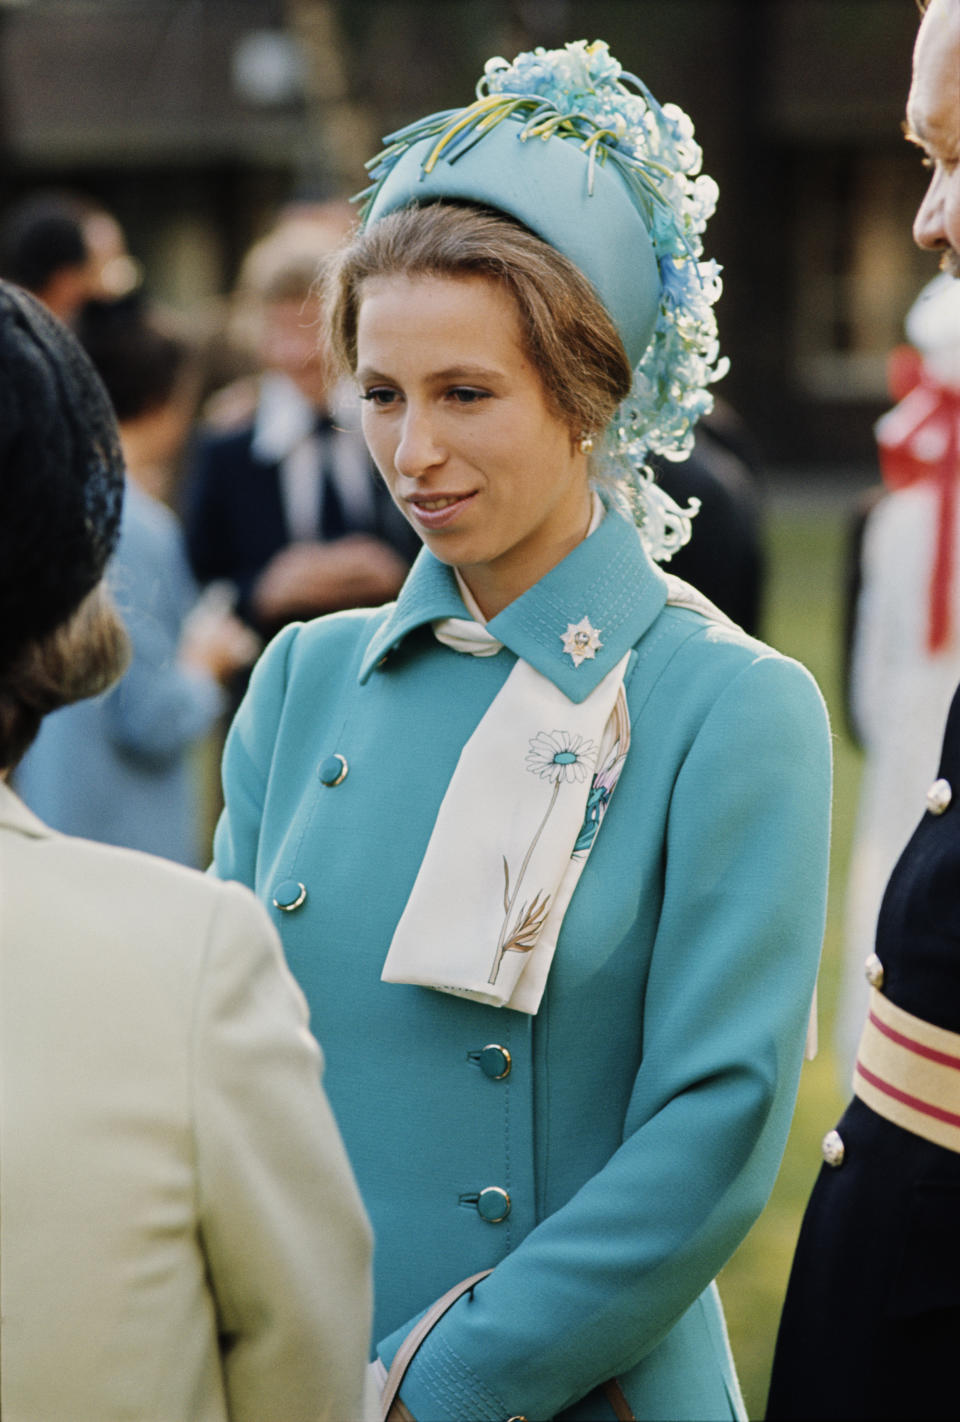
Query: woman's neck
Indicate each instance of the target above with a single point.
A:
(493, 586)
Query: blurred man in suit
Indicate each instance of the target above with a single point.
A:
(286, 505)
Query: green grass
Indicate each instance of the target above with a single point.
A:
(804, 606)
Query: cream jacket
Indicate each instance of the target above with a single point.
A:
(181, 1239)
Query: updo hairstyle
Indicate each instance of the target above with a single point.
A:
(569, 336)
(82, 657)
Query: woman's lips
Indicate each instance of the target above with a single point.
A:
(439, 509)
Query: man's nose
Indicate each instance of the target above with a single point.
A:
(928, 228)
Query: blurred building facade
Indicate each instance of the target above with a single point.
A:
(194, 120)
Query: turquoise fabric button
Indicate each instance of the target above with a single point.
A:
(289, 895)
(495, 1062)
(493, 1204)
(333, 770)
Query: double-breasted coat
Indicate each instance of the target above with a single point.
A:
(607, 1155)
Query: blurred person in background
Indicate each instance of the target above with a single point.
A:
(726, 561)
(118, 767)
(872, 1314)
(66, 250)
(286, 506)
(905, 648)
(180, 1233)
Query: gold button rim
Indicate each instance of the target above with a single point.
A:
(344, 768)
(504, 1195)
(496, 1047)
(289, 908)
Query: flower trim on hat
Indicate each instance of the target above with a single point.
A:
(579, 94)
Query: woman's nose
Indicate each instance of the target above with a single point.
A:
(418, 449)
(928, 228)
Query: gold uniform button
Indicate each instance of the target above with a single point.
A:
(873, 971)
(939, 796)
(833, 1148)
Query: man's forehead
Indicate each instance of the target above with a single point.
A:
(933, 105)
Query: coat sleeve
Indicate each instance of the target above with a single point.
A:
(246, 762)
(285, 1237)
(597, 1285)
(159, 708)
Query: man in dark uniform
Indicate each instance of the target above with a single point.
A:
(871, 1324)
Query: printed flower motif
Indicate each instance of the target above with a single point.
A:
(560, 757)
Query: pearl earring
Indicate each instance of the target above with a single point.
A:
(586, 444)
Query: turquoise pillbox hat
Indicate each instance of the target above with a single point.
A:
(582, 208)
(579, 151)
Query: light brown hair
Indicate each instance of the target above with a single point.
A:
(569, 335)
(82, 657)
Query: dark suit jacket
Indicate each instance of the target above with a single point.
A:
(235, 521)
(725, 556)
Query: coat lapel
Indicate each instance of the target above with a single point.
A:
(607, 582)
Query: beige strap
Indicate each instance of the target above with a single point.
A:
(405, 1353)
(908, 1071)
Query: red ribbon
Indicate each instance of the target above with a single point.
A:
(919, 439)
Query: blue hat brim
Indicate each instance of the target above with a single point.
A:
(546, 183)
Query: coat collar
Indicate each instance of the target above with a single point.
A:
(607, 579)
(15, 815)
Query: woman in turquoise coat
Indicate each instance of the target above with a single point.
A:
(546, 839)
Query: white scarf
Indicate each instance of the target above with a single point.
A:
(513, 831)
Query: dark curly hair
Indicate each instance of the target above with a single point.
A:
(139, 362)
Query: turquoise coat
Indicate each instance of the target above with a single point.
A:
(635, 1125)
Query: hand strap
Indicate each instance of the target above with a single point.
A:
(617, 1399)
(405, 1353)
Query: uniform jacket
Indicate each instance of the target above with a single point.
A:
(181, 1238)
(874, 1293)
(636, 1122)
(900, 693)
(116, 767)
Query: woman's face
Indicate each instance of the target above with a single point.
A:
(458, 422)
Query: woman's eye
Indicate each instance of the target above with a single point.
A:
(466, 395)
(380, 395)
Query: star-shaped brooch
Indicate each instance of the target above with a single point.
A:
(581, 641)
